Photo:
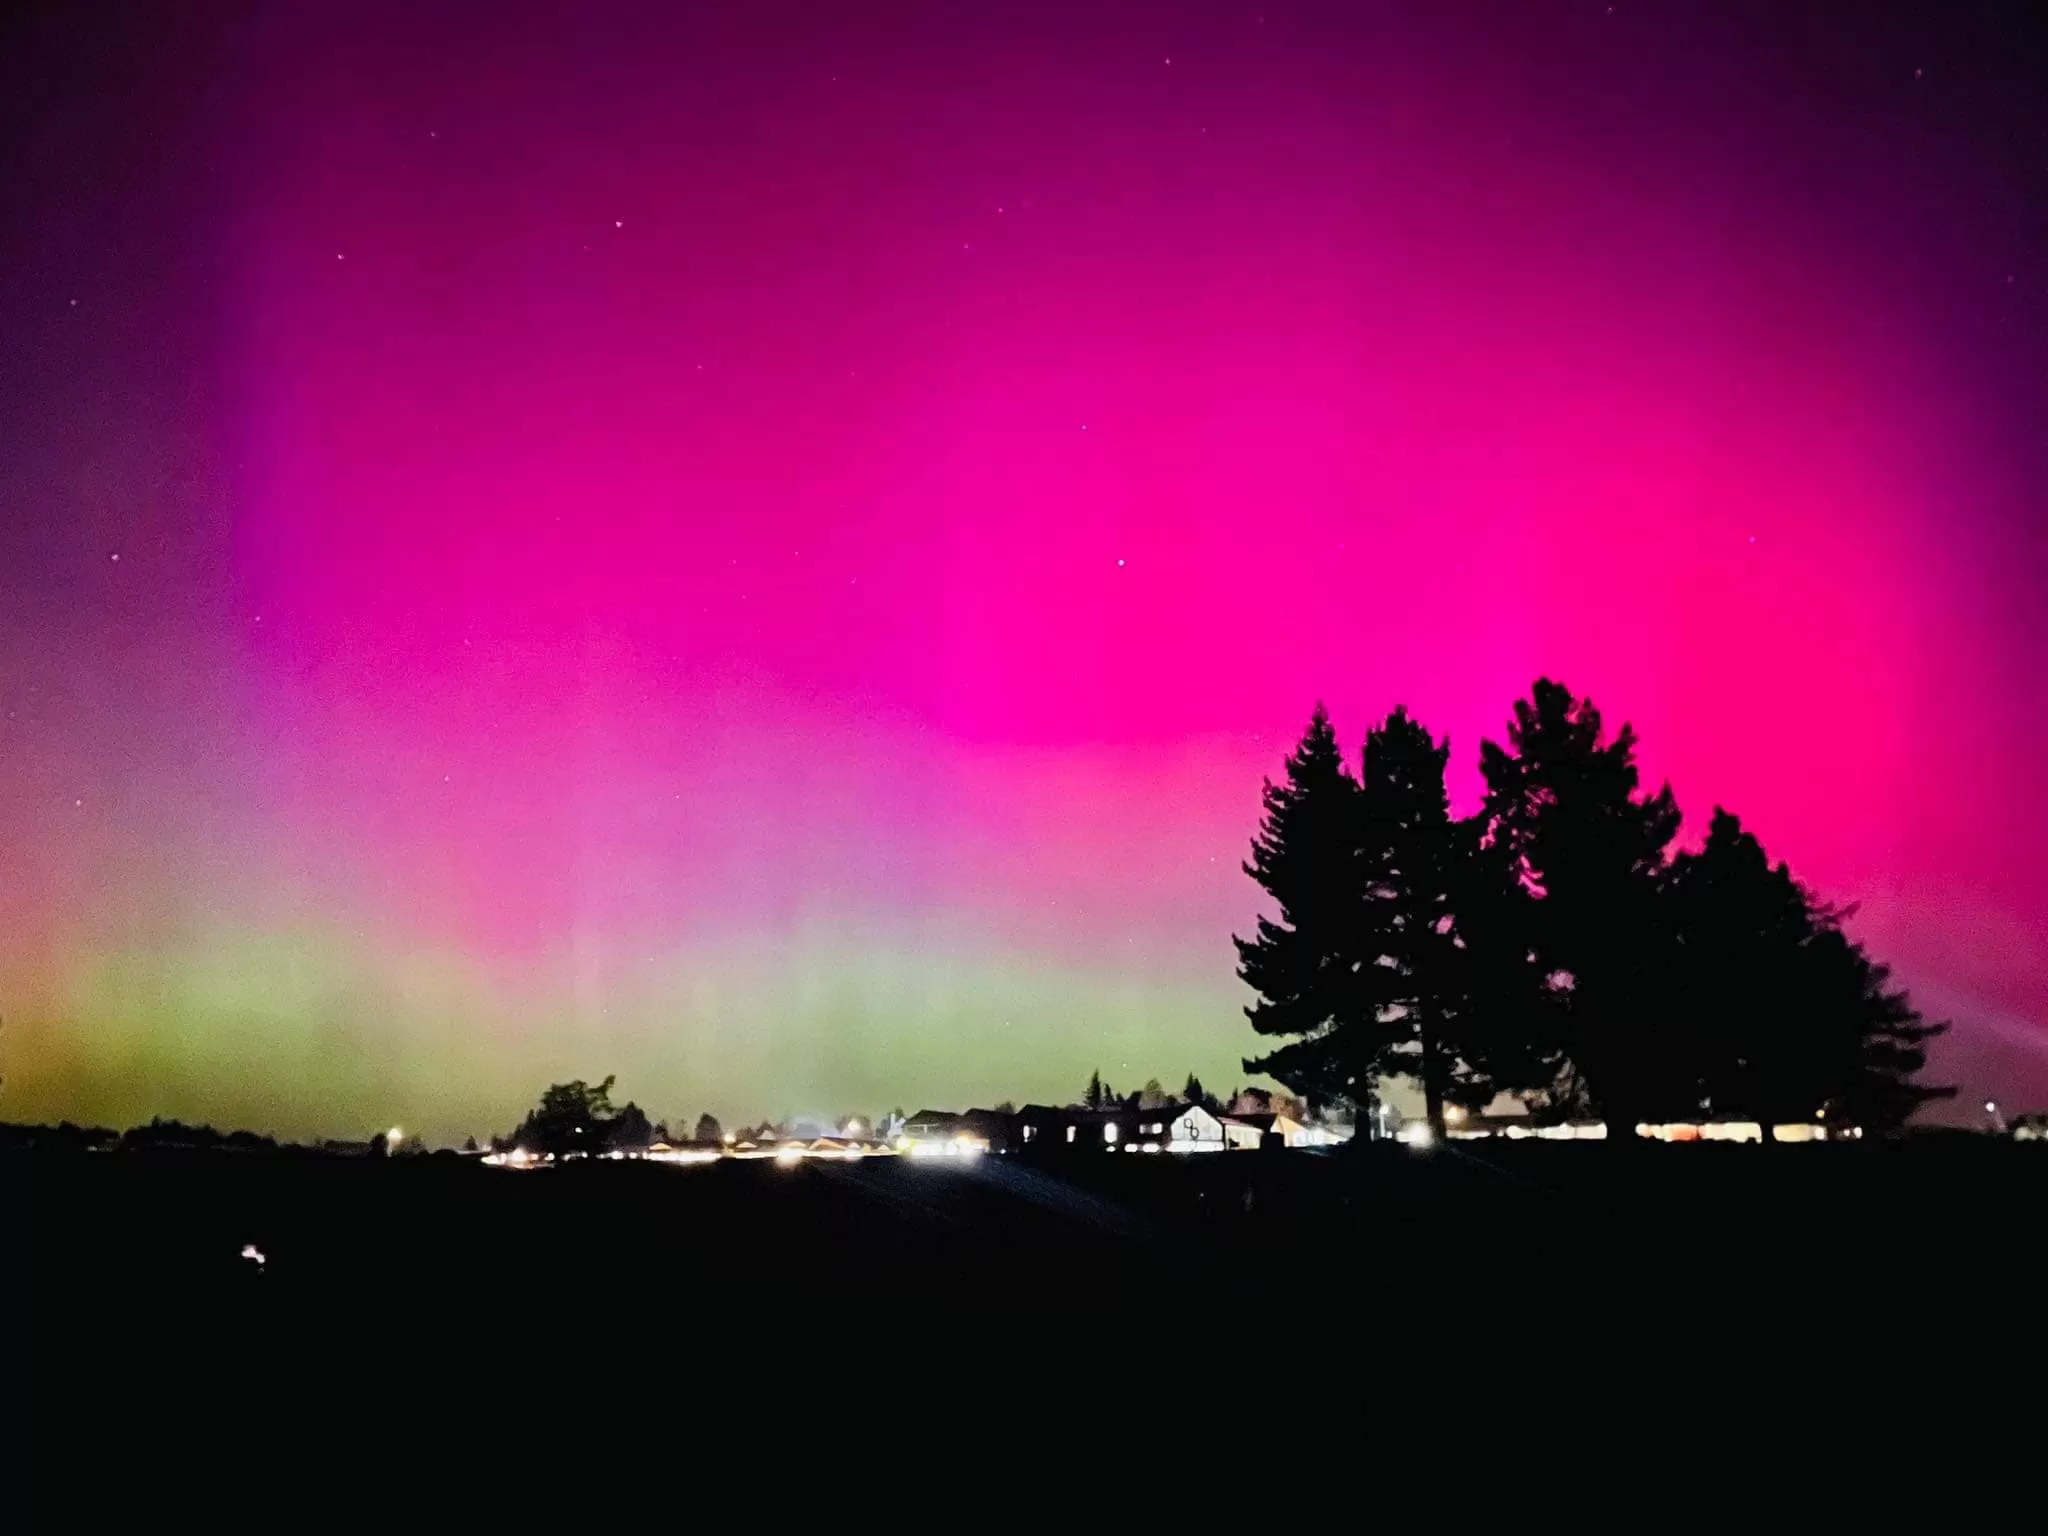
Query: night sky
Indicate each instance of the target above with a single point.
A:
(767, 549)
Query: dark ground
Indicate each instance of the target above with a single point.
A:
(1507, 1262)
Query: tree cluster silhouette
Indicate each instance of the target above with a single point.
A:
(1555, 944)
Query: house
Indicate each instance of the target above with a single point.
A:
(941, 1131)
(929, 1124)
(1175, 1128)
(1043, 1128)
(1249, 1132)
(2030, 1127)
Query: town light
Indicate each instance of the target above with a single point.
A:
(853, 1127)
(1109, 1133)
(392, 1138)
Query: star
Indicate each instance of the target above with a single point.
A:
(1119, 565)
(115, 557)
(618, 223)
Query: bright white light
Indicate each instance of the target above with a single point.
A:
(730, 1138)
(1416, 1135)
(853, 1127)
(1109, 1133)
(788, 1155)
(254, 1255)
(393, 1137)
(1453, 1115)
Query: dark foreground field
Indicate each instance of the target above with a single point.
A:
(1506, 1265)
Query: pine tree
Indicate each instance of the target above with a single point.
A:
(1565, 823)
(1882, 1090)
(1785, 1017)
(1755, 1047)
(1415, 974)
(1093, 1096)
(1304, 965)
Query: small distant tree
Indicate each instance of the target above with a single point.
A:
(570, 1118)
(469, 1144)
(1095, 1096)
(1152, 1096)
(1192, 1092)
(1007, 1107)
(629, 1130)
(708, 1128)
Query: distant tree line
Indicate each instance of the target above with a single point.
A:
(1556, 944)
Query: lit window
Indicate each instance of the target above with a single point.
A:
(1070, 1133)
(1027, 1132)
(1109, 1133)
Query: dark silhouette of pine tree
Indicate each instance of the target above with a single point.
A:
(1414, 972)
(1755, 1046)
(1564, 818)
(1883, 1090)
(1784, 1016)
(1093, 1096)
(1304, 965)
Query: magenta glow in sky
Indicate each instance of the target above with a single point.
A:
(768, 552)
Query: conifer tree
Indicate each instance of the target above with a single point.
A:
(1415, 972)
(1303, 962)
(1566, 823)
(1783, 1016)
